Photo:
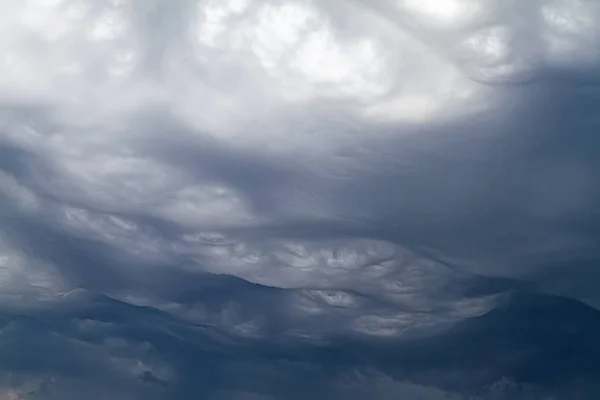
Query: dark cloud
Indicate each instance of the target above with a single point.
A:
(285, 199)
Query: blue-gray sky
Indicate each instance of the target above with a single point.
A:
(273, 199)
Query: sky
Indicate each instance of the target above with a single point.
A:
(292, 199)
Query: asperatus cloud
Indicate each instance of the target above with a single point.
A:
(323, 199)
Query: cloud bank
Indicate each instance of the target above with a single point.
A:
(245, 199)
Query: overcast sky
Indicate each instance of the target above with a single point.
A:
(273, 199)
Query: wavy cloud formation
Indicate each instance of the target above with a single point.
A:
(245, 199)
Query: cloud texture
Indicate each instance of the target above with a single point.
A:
(244, 199)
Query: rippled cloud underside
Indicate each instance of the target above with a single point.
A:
(322, 199)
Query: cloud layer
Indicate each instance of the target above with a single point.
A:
(273, 199)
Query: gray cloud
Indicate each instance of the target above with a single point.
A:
(276, 199)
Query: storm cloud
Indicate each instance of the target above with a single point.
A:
(271, 199)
